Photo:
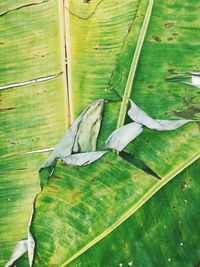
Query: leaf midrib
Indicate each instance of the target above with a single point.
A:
(134, 64)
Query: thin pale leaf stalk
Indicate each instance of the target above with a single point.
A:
(134, 64)
(63, 41)
(67, 55)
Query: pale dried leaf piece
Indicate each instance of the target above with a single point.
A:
(139, 116)
(121, 137)
(81, 136)
(31, 241)
(19, 250)
(196, 81)
(195, 78)
(82, 159)
(31, 248)
(88, 129)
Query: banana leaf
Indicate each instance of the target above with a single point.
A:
(164, 232)
(32, 115)
(80, 206)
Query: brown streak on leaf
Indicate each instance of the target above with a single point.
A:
(89, 16)
(23, 6)
(6, 109)
(168, 25)
(189, 113)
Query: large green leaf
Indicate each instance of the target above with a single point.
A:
(33, 116)
(164, 232)
(86, 204)
(83, 205)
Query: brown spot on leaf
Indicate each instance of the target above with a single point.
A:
(189, 113)
(156, 38)
(150, 86)
(11, 142)
(170, 39)
(171, 70)
(168, 25)
(175, 34)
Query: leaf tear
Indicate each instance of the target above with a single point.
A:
(36, 80)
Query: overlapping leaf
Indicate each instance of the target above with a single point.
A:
(164, 232)
(75, 225)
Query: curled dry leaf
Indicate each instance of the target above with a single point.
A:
(139, 116)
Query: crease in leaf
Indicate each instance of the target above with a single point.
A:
(19, 250)
(139, 116)
(122, 136)
(140, 164)
(83, 159)
(191, 78)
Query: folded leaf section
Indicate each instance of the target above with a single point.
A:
(84, 205)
